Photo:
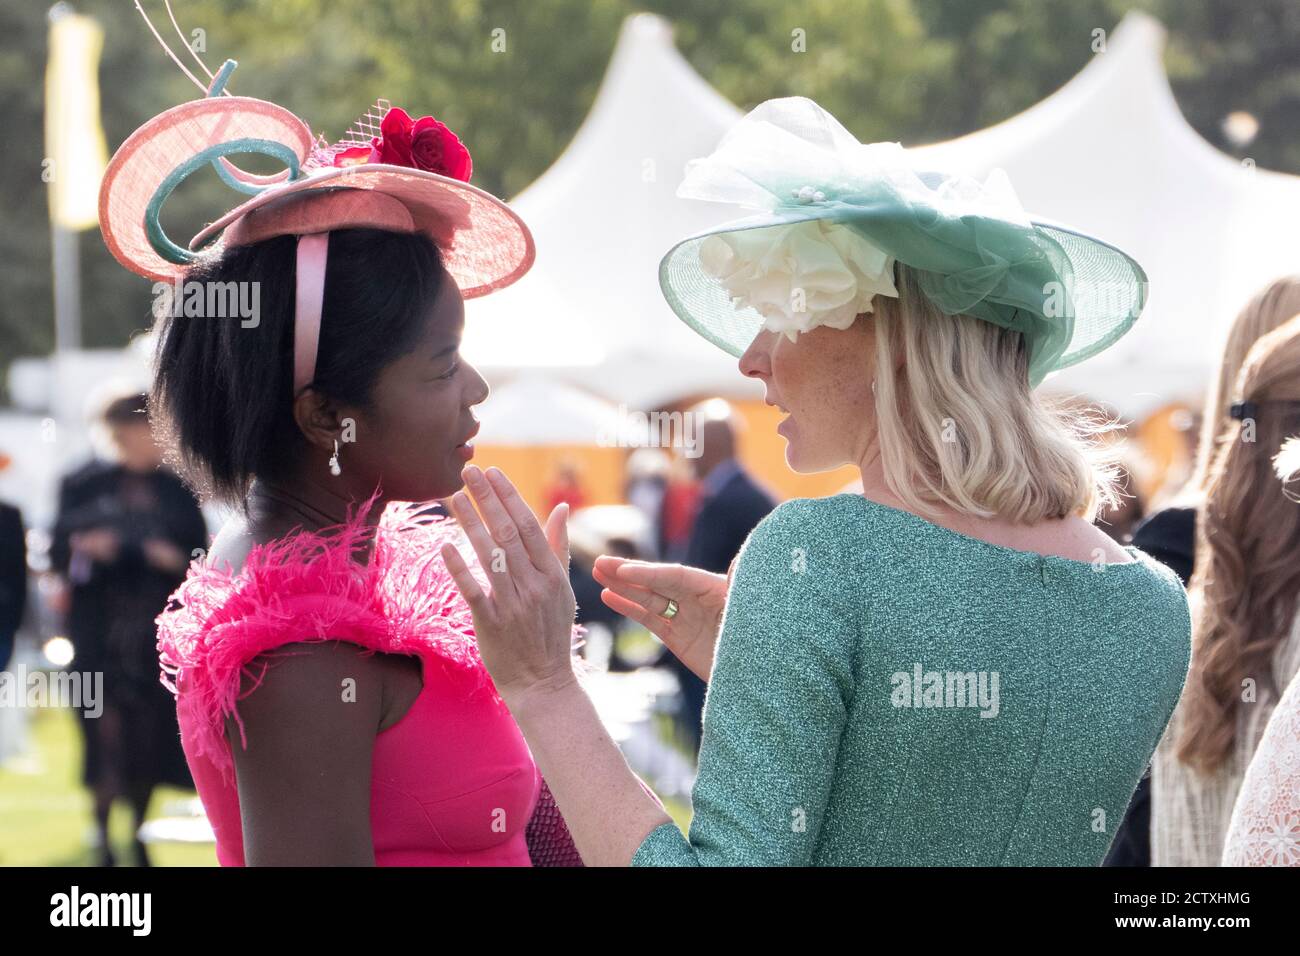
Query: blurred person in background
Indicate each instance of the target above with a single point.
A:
(122, 539)
(1169, 534)
(677, 515)
(1244, 595)
(731, 504)
(13, 574)
(592, 611)
(646, 488)
(1263, 831)
(565, 489)
(731, 501)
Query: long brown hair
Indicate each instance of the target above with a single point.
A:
(1267, 309)
(1247, 578)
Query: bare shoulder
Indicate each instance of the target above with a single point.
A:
(318, 684)
(309, 675)
(237, 537)
(310, 712)
(285, 687)
(1079, 540)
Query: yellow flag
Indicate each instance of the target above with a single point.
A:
(75, 150)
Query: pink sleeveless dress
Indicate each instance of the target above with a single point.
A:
(453, 782)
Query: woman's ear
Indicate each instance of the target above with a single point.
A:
(318, 418)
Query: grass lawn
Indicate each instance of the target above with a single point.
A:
(47, 817)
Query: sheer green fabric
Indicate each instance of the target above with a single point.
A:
(976, 251)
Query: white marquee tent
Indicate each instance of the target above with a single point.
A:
(536, 411)
(1109, 152)
(590, 312)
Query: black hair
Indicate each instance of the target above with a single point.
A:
(223, 385)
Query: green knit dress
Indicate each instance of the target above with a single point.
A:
(887, 692)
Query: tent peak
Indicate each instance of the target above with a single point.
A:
(648, 87)
(1141, 31)
(648, 26)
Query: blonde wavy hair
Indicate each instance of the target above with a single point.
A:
(959, 425)
(1247, 579)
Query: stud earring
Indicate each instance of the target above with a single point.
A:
(335, 470)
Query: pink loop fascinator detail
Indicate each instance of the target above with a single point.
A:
(387, 172)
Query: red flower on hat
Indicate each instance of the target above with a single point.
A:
(421, 144)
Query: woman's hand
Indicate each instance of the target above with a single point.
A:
(524, 624)
(640, 590)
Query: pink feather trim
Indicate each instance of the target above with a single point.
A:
(307, 587)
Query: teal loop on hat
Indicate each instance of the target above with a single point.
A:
(975, 250)
(216, 88)
(215, 155)
(157, 236)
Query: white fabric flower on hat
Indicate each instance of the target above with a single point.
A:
(801, 275)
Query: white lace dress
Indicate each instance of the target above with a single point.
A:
(1265, 827)
(1191, 811)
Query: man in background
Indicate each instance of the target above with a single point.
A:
(731, 504)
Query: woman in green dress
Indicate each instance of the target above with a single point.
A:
(953, 667)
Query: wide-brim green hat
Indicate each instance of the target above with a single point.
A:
(975, 250)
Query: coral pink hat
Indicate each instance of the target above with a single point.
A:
(387, 172)
(486, 246)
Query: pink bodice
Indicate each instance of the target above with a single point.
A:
(453, 782)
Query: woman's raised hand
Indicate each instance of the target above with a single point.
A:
(524, 623)
(641, 591)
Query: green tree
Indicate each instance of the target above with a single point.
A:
(516, 78)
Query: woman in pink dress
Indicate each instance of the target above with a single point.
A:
(333, 706)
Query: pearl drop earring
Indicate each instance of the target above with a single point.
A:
(334, 460)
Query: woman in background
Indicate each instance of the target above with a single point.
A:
(1265, 827)
(1169, 535)
(124, 535)
(1244, 593)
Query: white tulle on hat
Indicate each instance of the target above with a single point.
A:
(792, 266)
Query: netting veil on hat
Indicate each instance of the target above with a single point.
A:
(384, 173)
(974, 248)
